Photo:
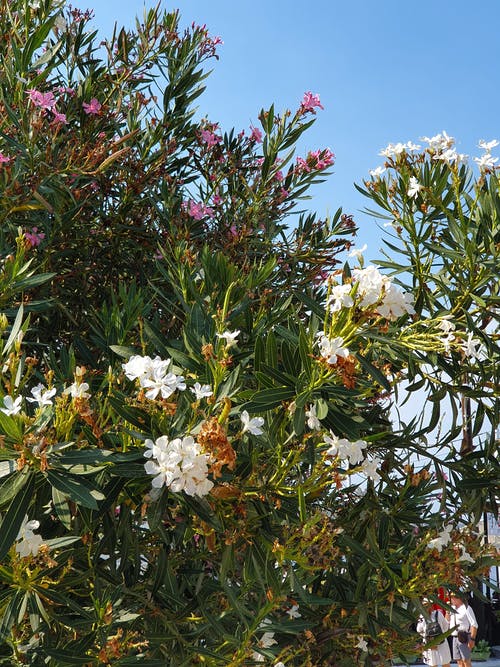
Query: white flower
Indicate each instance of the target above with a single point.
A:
(362, 644)
(447, 341)
(253, 425)
(465, 556)
(440, 142)
(395, 303)
(201, 391)
(12, 407)
(488, 145)
(162, 384)
(445, 325)
(377, 172)
(472, 348)
(358, 252)
(293, 612)
(450, 156)
(486, 161)
(28, 542)
(153, 376)
(442, 540)
(265, 641)
(154, 449)
(370, 283)
(393, 150)
(340, 297)
(41, 395)
(138, 367)
(313, 422)
(414, 187)
(369, 467)
(344, 449)
(77, 390)
(332, 349)
(231, 337)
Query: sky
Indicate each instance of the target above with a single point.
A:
(385, 71)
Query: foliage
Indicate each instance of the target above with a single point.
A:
(200, 461)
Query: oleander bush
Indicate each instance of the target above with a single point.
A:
(201, 455)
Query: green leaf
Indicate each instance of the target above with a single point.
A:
(269, 398)
(11, 613)
(14, 516)
(372, 370)
(62, 508)
(79, 490)
(67, 657)
(10, 486)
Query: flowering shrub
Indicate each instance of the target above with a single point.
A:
(200, 460)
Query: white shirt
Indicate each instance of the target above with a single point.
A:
(463, 618)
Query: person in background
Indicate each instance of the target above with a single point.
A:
(462, 620)
(440, 654)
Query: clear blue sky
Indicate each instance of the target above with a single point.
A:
(386, 71)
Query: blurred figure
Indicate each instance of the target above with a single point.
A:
(464, 624)
(440, 654)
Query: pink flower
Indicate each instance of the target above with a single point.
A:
(217, 199)
(59, 117)
(321, 159)
(42, 100)
(93, 107)
(256, 135)
(309, 102)
(4, 159)
(210, 138)
(198, 210)
(302, 166)
(34, 237)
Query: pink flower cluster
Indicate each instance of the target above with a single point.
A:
(47, 102)
(256, 135)
(4, 159)
(34, 237)
(318, 160)
(209, 44)
(210, 138)
(198, 210)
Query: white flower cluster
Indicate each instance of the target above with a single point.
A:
(444, 539)
(153, 376)
(486, 161)
(346, 450)
(39, 394)
(178, 464)
(472, 348)
(374, 287)
(394, 150)
(442, 148)
(371, 287)
(27, 542)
